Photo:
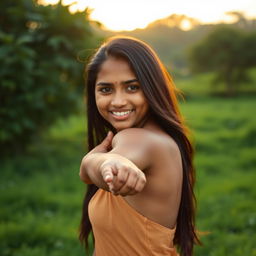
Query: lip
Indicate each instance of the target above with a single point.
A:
(124, 116)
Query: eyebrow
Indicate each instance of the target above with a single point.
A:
(123, 82)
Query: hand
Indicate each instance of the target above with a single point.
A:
(122, 176)
(105, 145)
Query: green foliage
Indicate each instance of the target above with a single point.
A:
(227, 51)
(41, 195)
(198, 86)
(225, 144)
(40, 74)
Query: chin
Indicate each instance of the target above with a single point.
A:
(118, 129)
(121, 127)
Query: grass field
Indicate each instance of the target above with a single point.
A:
(41, 194)
(225, 139)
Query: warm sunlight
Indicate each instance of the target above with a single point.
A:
(123, 15)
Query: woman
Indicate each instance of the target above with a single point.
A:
(140, 200)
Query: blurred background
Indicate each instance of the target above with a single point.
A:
(209, 47)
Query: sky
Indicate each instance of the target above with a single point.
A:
(131, 14)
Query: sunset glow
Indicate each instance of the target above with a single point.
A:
(128, 15)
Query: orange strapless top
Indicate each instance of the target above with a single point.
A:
(119, 230)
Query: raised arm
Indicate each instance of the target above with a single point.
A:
(120, 170)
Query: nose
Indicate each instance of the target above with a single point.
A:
(118, 100)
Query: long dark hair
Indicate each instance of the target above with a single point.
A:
(160, 93)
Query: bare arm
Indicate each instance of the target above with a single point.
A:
(103, 147)
(121, 169)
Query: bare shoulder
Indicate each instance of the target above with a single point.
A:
(156, 140)
(166, 143)
(133, 135)
(136, 145)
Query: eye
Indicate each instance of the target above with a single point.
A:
(105, 90)
(133, 88)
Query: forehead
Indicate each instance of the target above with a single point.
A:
(115, 68)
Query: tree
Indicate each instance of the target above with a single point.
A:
(229, 53)
(40, 75)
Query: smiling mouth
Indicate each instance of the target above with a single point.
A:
(121, 113)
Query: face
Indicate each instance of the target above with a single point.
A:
(119, 97)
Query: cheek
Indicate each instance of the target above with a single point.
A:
(101, 103)
(141, 101)
(144, 106)
(145, 109)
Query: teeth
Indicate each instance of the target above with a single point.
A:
(121, 113)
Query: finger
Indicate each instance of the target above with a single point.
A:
(115, 170)
(135, 190)
(106, 143)
(120, 179)
(135, 183)
(140, 183)
(129, 187)
(110, 187)
(107, 174)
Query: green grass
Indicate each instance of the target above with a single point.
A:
(41, 194)
(225, 139)
(202, 85)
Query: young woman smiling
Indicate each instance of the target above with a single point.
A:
(140, 200)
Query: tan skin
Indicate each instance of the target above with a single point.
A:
(141, 162)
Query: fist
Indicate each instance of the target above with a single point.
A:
(122, 176)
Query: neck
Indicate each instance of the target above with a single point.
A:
(144, 121)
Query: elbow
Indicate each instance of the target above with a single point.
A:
(83, 175)
(81, 172)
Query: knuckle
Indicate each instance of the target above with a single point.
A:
(143, 180)
(115, 191)
(136, 190)
(136, 173)
(129, 186)
(125, 169)
(121, 180)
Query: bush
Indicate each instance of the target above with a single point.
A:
(228, 52)
(40, 75)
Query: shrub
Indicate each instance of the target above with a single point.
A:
(40, 75)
